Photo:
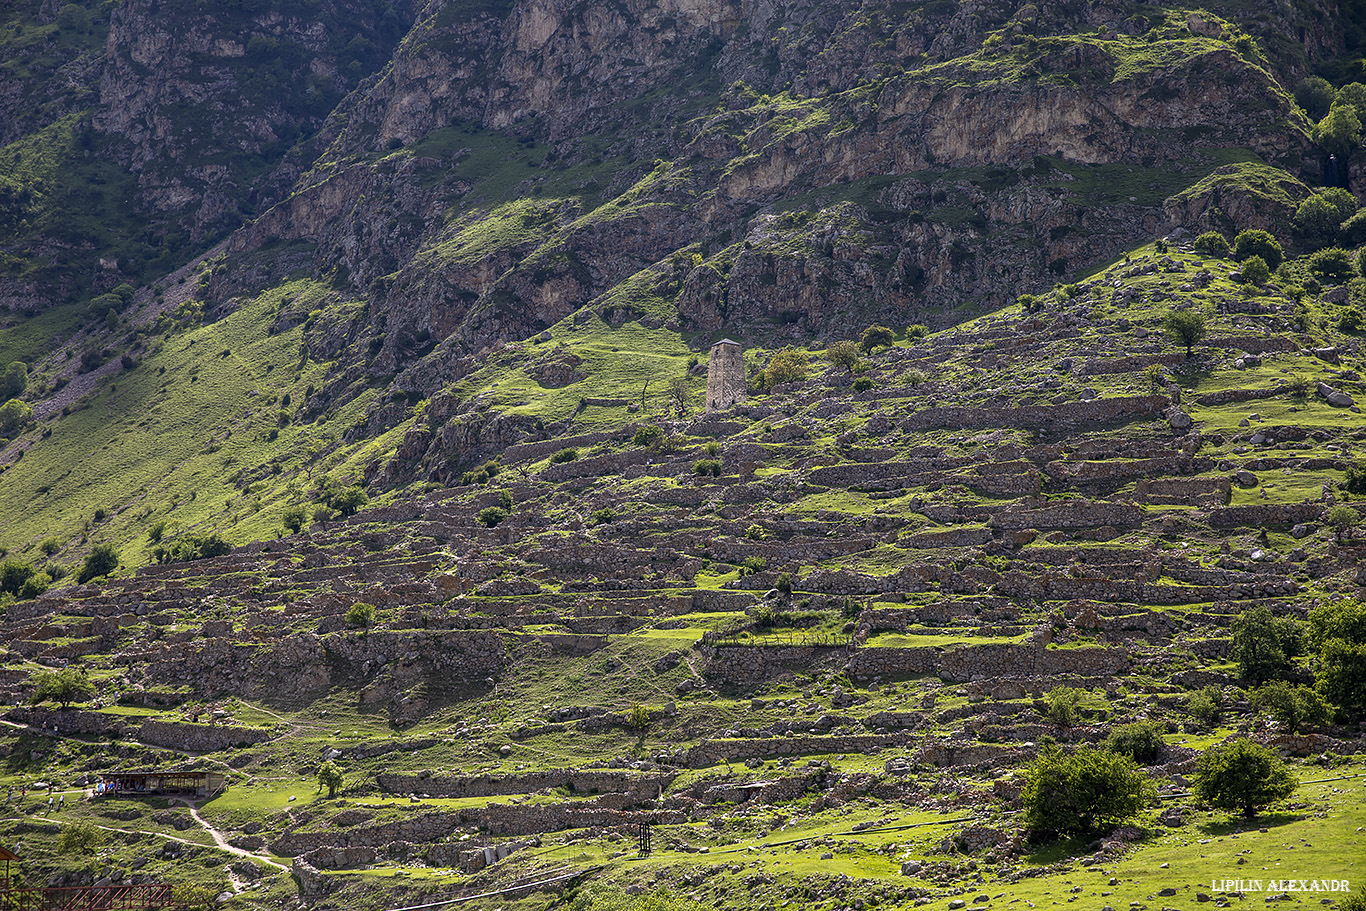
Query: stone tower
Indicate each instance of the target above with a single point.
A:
(725, 376)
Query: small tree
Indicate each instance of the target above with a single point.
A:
(679, 393)
(1066, 794)
(1063, 703)
(1141, 741)
(101, 561)
(14, 381)
(1242, 775)
(1255, 271)
(1256, 242)
(348, 501)
(1263, 644)
(1343, 519)
(842, 354)
(876, 337)
(787, 366)
(1320, 216)
(361, 615)
(330, 777)
(294, 517)
(63, 686)
(1315, 94)
(491, 516)
(1212, 243)
(1203, 705)
(1186, 327)
(1339, 133)
(15, 415)
(80, 837)
(1291, 705)
(1337, 634)
(1332, 265)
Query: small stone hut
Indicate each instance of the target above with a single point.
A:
(725, 376)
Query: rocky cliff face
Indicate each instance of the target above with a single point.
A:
(475, 173)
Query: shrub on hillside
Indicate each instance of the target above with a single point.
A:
(1082, 792)
(361, 615)
(1319, 218)
(842, 354)
(1204, 705)
(1255, 271)
(564, 455)
(1264, 645)
(1212, 243)
(1291, 705)
(101, 561)
(491, 516)
(1242, 775)
(1255, 242)
(1332, 265)
(192, 547)
(706, 467)
(1063, 704)
(1141, 741)
(875, 337)
(787, 366)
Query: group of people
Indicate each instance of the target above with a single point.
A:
(55, 801)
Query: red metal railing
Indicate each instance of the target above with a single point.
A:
(89, 898)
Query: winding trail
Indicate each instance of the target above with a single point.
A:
(222, 842)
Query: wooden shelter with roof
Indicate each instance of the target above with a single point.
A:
(198, 782)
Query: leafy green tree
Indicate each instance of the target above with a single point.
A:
(1339, 133)
(638, 718)
(1242, 775)
(1141, 741)
(1077, 793)
(14, 415)
(1291, 705)
(1337, 634)
(1186, 327)
(294, 517)
(876, 337)
(1333, 265)
(1316, 95)
(1212, 243)
(842, 354)
(62, 686)
(1255, 242)
(14, 381)
(1204, 705)
(330, 777)
(1320, 216)
(491, 516)
(787, 366)
(1063, 703)
(361, 615)
(1255, 271)
(79, 837)
(35, 585)
(1353, 94)
(102, 560)
(350, 500)
(1264, 645)
(13, 575)
(1343, 519)
(15, 205)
